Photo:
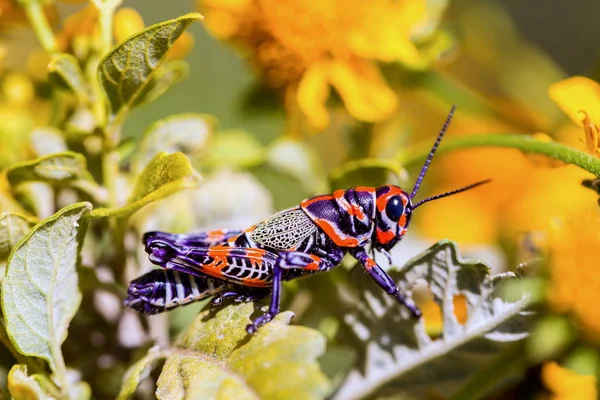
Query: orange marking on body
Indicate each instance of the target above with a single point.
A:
(384, 236)
(330, 231)
(314, 266)
(254, 282)
(370, 263)
(365, 189)
(308, 202)
(402, 221)
(352, 209)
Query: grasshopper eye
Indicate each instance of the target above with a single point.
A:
(394, 208)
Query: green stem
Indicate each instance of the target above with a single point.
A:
(106, 11)
(525, 143)
(40, 25)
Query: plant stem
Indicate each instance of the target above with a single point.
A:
(525, 143)
(106, 10)
(40, 25)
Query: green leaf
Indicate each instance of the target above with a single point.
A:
(217, 359)
(164, 175)
(128, 69)
(54, 169)
(138, 372)
(234, 148)
(22, 386)
(12, 229)
(65, 73)
(366, 172)
(166, 77)
(186, 133)
(397, 355)
(47, 140)
(39, 292)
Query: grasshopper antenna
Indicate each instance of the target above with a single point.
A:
(433, 150)
(439, 196)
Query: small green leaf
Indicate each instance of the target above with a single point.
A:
(219, 360)
(138, 372)
(186, 133)
(47, 140)
(160, 82)
(163, 176)
(366, 172)
(127, 70)
(12, 229)
(234, 148)
(23, 387)
(65, 73)
(54, 169)
(39, 292)
(396, 354)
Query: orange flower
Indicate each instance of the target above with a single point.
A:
(574, 278)
(305, 48)
(566, 384)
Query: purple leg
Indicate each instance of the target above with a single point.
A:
(286, 261)
(273, 306)
(384, 280)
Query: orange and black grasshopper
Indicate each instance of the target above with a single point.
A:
(312, 237)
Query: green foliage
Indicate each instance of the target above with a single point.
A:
(408, 360)
(64, 72)
(131, 73)
(25, 387)
(39, 292)
(12, 228)
(215, 358)
(54, 169)
(164, 175)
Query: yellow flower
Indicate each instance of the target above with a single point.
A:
(566, 384)
(305, 48)
(579, 98)
(574, 279)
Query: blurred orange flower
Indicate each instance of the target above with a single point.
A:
(574, 278)
(305, 48)
(565, 384)
(525, 195)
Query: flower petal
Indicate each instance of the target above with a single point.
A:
(575, 94)
(313, 91)
(363, 90)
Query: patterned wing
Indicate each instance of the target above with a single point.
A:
(284, 230)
